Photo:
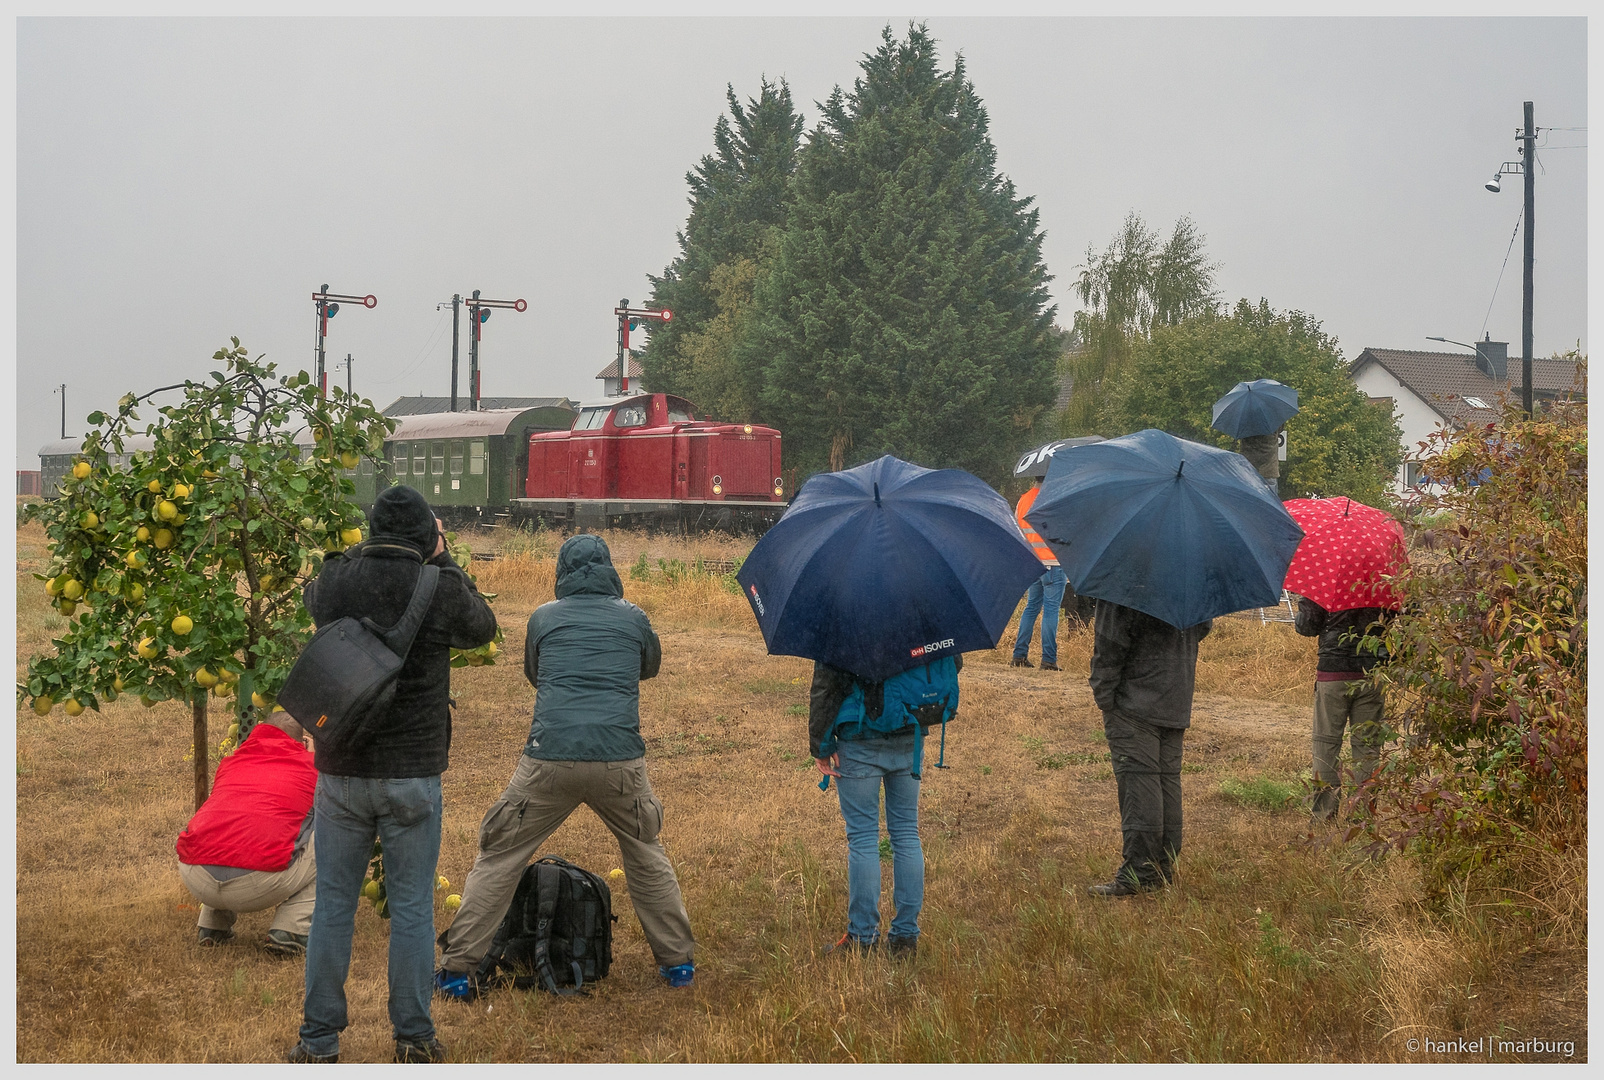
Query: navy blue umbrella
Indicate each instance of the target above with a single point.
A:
(887, 566)
(1177, 529)
(1259, 407)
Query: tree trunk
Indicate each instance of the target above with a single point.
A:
(203, 750)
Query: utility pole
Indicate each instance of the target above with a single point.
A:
(478, 312)
(63, 410)
(347, 374)
(456, 313)
(1529, 167)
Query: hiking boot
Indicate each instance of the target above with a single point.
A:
(901, 947)
(1048, 665)
(678, 975)
(209, 937)
(850, 944)
(420, 1053)
(1021, 661)
(456, 984)
(284, 943)
(300, 1055)
(1122, 886)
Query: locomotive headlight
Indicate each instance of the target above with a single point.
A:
(718, 485)
(747, 429)
(779, 488)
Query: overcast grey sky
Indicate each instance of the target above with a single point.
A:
(181, 180)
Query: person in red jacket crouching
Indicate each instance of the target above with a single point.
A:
(249, 846)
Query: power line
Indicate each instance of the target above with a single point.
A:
(1501, 269)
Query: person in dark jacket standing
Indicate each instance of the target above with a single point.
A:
(388, 787)
(1143, 672)
(1344, 696)
(586, 653)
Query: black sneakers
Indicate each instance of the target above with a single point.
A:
(416, 1053)
(284, 943)
(902, 948)
(1048, 665)
(1021, 661)
(210, 938)
(300, 1055)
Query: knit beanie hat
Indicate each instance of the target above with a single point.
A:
(401, 513)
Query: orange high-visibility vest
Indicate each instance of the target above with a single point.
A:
(1043, 552)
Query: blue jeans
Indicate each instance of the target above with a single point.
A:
(865, 765)
(1046, 595)
(405, 815)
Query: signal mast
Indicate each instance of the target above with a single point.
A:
(628, 319)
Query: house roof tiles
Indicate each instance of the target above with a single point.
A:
(1450, 383)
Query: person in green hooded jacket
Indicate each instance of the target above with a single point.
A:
(585, 654)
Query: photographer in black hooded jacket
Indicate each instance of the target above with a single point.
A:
(389, 786)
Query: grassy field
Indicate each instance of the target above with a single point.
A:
(1269, 947)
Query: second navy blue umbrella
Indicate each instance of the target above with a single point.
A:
(1177, 529)
(888, 566)
(1259, 407)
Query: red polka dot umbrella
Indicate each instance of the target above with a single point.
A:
(1348, 551)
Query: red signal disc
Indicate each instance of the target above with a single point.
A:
(520, 305)
(370, 301)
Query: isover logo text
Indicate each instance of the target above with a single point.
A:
(920, 650)
(757, 601)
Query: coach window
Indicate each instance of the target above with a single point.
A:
(367, 466)
(629, 416)
(437, 458)
(420, 459)
(476, 457)
(456, 457)
(398, 457)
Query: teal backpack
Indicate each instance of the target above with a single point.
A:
(919, 698)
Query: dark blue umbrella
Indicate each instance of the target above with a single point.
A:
(1177, 529)
(887, 566)
(1259, 407)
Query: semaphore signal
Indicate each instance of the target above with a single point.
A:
(628, 319)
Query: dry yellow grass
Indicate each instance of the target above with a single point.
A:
(1266, 949)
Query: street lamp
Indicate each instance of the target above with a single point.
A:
(1523, 167)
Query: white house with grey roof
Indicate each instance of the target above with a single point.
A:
(1430, 390)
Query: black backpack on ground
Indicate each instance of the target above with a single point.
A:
(557, 933)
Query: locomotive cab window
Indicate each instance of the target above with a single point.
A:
(437, 458)
(679, 411)
(399, 457)
(591, 419)
(476, 457)
(456, 457)
(629, 416)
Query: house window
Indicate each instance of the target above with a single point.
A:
(437, 458)
(1413, 474)
(1476, 403)
(456, 457)
(476, 458)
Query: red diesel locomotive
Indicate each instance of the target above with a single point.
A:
(646, 459)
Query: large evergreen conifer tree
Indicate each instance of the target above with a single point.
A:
(906, 308)
(739, 196)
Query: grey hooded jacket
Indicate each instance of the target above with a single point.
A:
(585, 655)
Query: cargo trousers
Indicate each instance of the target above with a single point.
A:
(292, 891)
(1354, 704)
(539, 798)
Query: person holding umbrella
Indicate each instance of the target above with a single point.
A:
(1253, 413)
(1167, 535)
(1046, 594)
(883, 575)
(1341, 574)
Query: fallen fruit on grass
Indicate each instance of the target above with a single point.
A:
(441, 883)
(182, 625)
(491, 650)
(615, 873)
(453, 902)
